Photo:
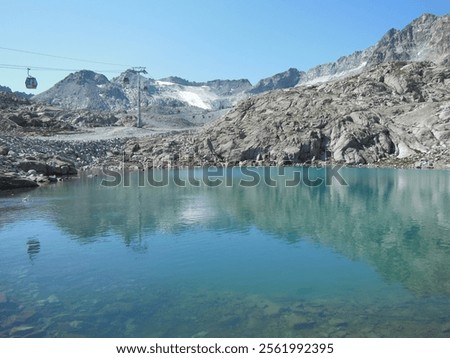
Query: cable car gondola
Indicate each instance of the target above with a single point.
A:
(30, 82)
(126, 80)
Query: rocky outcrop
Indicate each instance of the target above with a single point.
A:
(21, 115)
(16, 93)
(287, 79)
(41, 160)
(54, 166)
(395, 112)
(85, 90)
(229, 87)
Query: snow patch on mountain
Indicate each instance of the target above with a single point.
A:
(196, 96)
(202, 100)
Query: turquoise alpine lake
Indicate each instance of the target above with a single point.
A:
(255, 252)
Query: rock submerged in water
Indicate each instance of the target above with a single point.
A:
(21, 330)
(3, 297)
(52, 299)
(201, 334)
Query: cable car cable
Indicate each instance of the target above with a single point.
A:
(31, 81)
(38, 68)
(64, 57)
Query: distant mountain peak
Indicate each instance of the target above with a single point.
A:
(93, 91)
(85, 76)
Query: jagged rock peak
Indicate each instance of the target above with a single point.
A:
(426, 38)
(85, 90)
(86, 76)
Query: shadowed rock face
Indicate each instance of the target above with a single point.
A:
(394, 111)
(427, 38)
(287, 79)
(8, 182)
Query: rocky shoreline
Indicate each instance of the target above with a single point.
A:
(27, 162)
(29, 170)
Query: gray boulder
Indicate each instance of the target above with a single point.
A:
(8, 182)
(4, 150)
(55, 166)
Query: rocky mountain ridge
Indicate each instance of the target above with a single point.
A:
(89, 90)
(17, 93)
(427, 38)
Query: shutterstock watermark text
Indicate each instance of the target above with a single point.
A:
(217, 176)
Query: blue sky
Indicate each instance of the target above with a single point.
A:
(198, 40)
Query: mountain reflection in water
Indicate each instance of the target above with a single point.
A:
(295, 241)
